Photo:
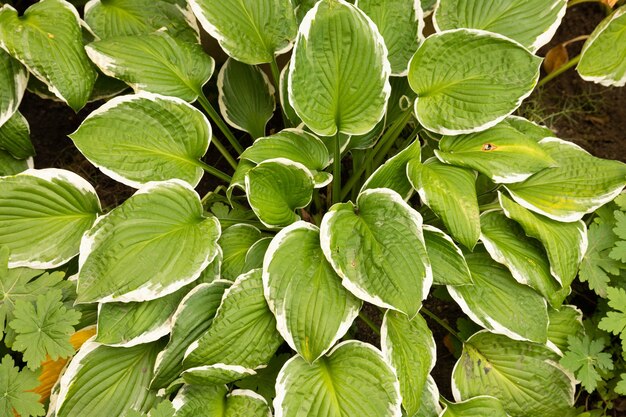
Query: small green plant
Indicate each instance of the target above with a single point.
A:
(393, 166)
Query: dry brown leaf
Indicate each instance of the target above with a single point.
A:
(555, 58)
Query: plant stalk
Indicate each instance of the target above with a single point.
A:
(336, 191)
(276, 76)
(214, 171)
(559, 71)
(204, 102)
(369, 323)
(442, 324)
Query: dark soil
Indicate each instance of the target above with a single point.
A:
(590, 115)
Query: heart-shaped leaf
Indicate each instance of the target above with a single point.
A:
(13, 79)
(251, 31)
(215, 401)
(246, 97)
(313, 310)
(469, 80)
(145, 137)
(480, 406)
(565, 243)
(400, 23)
(524, 376)
(339, 83)
(275, 188)
(243, 331)
(48, 40)
(451, 193)
(599, 61)
(99, 373)
(192, 318)
(43, 215)
(496, 301)
(502, 153)
(530, 22)
(157, 63)
(408, 345)
(446, 258)
(578, 185)
(15, 137)
(113, 18)
(526, 259)
(353, 380)
(235, 243)
(156, 242)
(378, 249)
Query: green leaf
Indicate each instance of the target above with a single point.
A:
(578, 185)
(43, 215)
(13, 79)
(15, 391)
(215, 401)
(469, 80)
(130, 324)
(107, 381)
(400, 23)
(157, 63)
(393, 173)
(618, 253)
(599, 61)
(156, 242)
(596, 263)
(251, 31)
(339, 83)
(113, 18)
(256, 253)
(246, 97)
(235, 243)
(18, 284)
(565, 243)
(451, 193)
(288, 111)
(565, 322)
(353, 380)
(192, 318)
(378, 250)
(531, 22)
(47, 39)
(524, 376)
(408, 345)
(11, 166)
(295, 145)
(215, 374)
(277, 187)
(15, 137)
(502, 153)
(446, 258)
(620, 388)
(313, 310)
(264, 380)
(586, 359)
(43, 329)
(615, 321)
(479, 406)
(243, 331)
(496, 301)
(145, 137)
(525, 258)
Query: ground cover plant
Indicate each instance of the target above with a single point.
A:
(366, 156)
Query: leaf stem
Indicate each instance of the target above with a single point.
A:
(204, 102)
(379, 155)
(442, 324)
(336, 192)
(369, 323)
(276, 76)
(559, 71)
(214, 171)
(390, 135)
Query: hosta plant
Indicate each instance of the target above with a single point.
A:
(357, 163)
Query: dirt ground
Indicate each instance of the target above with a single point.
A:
(587, 114)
